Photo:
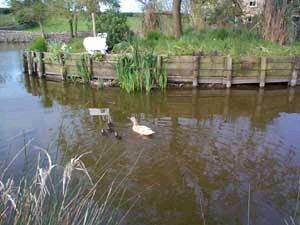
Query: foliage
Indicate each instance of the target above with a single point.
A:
(114, 24)
(83, 68)
(139, 71)
(235, 41)
(24, 15)
(56, 50)
(39, 44)
(76, 45)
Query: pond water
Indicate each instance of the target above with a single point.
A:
(218, 156)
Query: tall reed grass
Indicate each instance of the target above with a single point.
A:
(140, 71)
(56, 195)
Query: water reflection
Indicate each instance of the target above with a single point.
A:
(209, 147)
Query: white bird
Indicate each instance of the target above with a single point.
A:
(140, 129)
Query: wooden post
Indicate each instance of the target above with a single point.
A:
(30, 62)
(40, 62)
(25, 63)
(295, 72)
(159, 62)
(263, 69)
(63, 69)
(196, 70)
(94, 24)
(228, 71)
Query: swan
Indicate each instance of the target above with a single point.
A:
(142, 130)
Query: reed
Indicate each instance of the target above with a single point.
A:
(83, 68)
(139, 71)
(56, 195)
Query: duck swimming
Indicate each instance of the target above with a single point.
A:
(140, 129)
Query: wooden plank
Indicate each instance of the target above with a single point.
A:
(210, 66)
(277, 79)
(210, 80)
(180, 73)
(180, 59)
(280, 59)
(179, 79)
(245, 73)
(180, 66)
(212, 60)
(279, 66)
(211, 73)
(280, 73)
(245, 80)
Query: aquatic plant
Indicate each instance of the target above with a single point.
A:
(56, 195)
(140, 71)
(38, 44)
(83, 68)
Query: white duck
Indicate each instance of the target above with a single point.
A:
(142, 130)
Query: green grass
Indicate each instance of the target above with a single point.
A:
(135, 23)
(236, 42)
(60, 24)
(7, 20)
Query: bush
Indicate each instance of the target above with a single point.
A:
(39, 44)
(114, 24)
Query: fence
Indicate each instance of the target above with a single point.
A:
(195, 70)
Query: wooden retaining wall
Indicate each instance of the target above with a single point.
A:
(195, 70)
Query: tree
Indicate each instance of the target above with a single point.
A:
(30, 12)
(177, 24)
(278, 20)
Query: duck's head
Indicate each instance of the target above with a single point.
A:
(133, 120)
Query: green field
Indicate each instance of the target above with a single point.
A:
(7, 20)
(60, 24)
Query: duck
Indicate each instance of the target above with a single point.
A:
(140, 129)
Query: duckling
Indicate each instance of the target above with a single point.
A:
(109, 127)
(103, 132)
(117, 135)
(140, 129)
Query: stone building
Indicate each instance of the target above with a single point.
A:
(252, 8)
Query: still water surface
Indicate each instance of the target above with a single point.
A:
(210, 145)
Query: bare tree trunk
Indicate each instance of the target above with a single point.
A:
(42, 29)
(71, 27)
(274, 25)
(94, 24)
(196, 14)
(76, 25)
(177, 25)
(151, 17)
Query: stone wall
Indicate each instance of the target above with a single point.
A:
(9, 36)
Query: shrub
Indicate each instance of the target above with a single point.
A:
(114, 24)
(38, 44)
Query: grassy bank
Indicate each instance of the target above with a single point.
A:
(236, 42)
(7, 20)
